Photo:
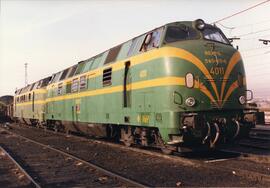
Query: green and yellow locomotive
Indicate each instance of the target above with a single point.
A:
(182, 84)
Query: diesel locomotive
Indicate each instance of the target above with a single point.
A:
(182, 84)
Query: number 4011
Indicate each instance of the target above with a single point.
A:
(217, 71)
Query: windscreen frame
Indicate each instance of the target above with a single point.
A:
(207, 26)
(181, 26)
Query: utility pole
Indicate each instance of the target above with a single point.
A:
(25, 74)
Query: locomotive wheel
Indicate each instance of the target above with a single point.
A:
(127, 137)
(55, 129)
(58, 127)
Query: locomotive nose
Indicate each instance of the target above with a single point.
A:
(224, 74)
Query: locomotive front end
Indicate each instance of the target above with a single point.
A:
(212, 101)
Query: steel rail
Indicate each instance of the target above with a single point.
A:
(107, 172)
(20, 167)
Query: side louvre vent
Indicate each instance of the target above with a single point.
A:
(107, 77)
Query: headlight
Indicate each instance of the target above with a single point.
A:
(200, 24)
(242, 99)
(190, 101)
(189, 80)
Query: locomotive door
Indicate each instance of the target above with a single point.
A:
(74, 114)
(33, 101)
(76, 106)
(77, 109)
(127, 86)
(127, 91)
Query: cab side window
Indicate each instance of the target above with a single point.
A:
(75, 85)
(83, 82)
(60, 88)
(151, 40)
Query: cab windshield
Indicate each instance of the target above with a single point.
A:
(214, 34)
(178, 33)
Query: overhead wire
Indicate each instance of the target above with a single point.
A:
(240, 12)
(254, 32)
(253, 49)
(255, 69)
(259, 65)
(226, 27)
(257, 76)
(253, 55)
(253, 38)
(241, 26)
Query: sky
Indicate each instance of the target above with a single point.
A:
(53, 35)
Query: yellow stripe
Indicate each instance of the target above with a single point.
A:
(233, 61)
(230, 90)
(234, 86)
(166, 81)
(183, 54)
(164, 52)
(207, 92)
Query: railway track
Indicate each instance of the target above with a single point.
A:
(213, 163)
(256, 143)
(20, 171)
(259, 138)
(261, 131)
(61, 164)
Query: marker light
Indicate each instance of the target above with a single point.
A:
(190, 101)
(189, 80)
